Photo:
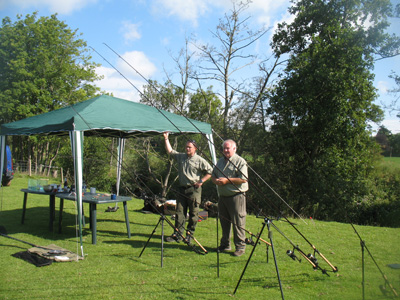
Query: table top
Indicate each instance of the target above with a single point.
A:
(94, 198)
(87, 197)
(40, 192)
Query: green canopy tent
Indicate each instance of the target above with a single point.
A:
(104, 116)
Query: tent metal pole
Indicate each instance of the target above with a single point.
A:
(121, 147)
(77, 144)
(2, 150)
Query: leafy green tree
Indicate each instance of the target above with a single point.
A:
(44, 66)
(324, 101)
(382, 138)
(395, 92)
(205, 106)
(394, 141)
(167, 97)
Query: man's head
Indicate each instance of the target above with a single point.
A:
(191, 148)
(229, 148)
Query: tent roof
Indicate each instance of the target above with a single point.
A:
(106, 116)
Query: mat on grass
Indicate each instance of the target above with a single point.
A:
(45, 256)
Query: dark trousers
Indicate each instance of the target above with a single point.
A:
(187, 200)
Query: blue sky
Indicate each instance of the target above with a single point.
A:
(149, 33)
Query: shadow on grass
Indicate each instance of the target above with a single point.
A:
(36, 223)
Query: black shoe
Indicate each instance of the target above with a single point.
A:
(189, 237)
(173, 238)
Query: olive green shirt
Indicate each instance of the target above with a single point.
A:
(190, 169)
(235, 167)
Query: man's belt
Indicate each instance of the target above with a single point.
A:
(234, 195)
(188, 189)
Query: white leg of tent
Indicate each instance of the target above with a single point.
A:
(121, 147)
(77, 146)
(212, 148)
(3, 153)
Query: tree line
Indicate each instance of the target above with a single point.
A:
(302, 122)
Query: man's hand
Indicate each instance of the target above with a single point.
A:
(221, 181)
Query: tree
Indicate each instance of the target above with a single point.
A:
(44, 66)
(323, 103)
(222, 64)
(382, 138)
(395, 92)
(205, 106)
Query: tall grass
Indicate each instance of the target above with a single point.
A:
(112, 269)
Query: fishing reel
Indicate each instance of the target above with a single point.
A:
(293, 256)
(249, 241)
(313, 259)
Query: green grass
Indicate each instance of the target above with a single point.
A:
(112, 269)
(395, 160)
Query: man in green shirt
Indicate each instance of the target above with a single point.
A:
(230, 176)
(193, 171)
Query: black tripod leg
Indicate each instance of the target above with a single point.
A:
(251, 254)
(162, 241)
(217, 246)
(363, 269)
(273, 252)
(154, 230)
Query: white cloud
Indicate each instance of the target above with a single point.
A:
(383, 87)
(137, 60)
(393, 125)
(55, 6)
(126, 86)
(186, 10)
(263, 11)
(130, 31)
(116, 84)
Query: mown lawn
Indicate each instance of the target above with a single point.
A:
(112, 269)
(393, 160)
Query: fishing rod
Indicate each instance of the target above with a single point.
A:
(184, 116)
(334, 269)
(308, 257)
(297, 230)
(51, 251)
(270, 187)
(148, 82)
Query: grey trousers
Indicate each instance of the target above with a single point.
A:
(232, 213)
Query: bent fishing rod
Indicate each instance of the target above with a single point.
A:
(315, 249)
(148, 82)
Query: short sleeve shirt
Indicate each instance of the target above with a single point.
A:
(235, 167)
(190, 169)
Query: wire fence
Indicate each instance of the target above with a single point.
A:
(32, 168)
